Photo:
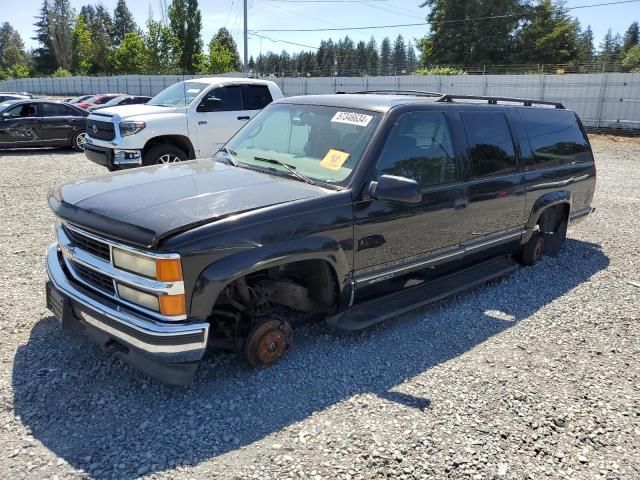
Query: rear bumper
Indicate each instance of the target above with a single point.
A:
(169, 352)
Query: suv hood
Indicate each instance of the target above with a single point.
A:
(147, 204)
(141, 110)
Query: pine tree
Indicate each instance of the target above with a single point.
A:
(373, 59)
(61, 17)
(631, 37)
(123, 22)
(586, 49)
(225, 39)
(185, 20)
(43, 56)
(361, 57)
(386, 60)
(102, 33)
(610, 48)
(13, 57)
(346, 55)
(399, 56)
(412, 61)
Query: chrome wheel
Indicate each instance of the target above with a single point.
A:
(168, 158)
(81, 140)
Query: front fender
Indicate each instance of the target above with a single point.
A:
(541, 204)
(213, 279)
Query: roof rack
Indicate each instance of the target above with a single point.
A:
(418, 93)
(494, 100)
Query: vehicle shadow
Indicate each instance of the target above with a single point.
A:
(30, 152)
(100, 415)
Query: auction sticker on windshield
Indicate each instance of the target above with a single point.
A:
(334, 159)
(352, 118)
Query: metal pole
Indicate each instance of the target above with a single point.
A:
(246, 44)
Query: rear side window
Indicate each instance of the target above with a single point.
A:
(419, 147)
(555, 138)
(256, 97)
(491, 150)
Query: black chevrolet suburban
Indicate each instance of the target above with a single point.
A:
(351, 207)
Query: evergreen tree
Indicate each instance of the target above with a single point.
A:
(10, 43)
(225, 39)
(221, 59)
(102, 33)
(549, 35)
(43, 56)
(412, 60)
(610, 47)
(82, 55)
(386, 60)
(585, 50)
(346, 57)
(361, 57)
(252, 63)
(373, 59)
(631, 37)
(327, 57)
(399, 56)
(61, 17)
(185, 20)
(123, 22)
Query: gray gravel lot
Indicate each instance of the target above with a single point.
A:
(535, 376)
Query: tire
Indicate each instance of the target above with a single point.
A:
(554, 241)
(161, 154)
(78, 141)
(533, 250)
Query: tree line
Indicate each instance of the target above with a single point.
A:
(463, 33)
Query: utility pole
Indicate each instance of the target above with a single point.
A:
(246, 44)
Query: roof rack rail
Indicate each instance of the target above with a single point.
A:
(494, 100)
(418, 93)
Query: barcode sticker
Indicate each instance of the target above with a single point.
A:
(352, 118)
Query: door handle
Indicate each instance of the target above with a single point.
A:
(460, 204)
(244, 118)
(202, 122)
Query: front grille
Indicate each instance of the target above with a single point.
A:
(94, 247)
(96, 279)
(101, 130)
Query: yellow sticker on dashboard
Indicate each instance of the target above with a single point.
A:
(334, 159)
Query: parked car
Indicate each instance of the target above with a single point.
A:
(121, 100)
(357, 207)
(187, 120)
(81, 98)
(5, 97)
(41, 123)
(97, 100)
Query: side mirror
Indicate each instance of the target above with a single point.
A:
(211, 104)
(6, 115)
(395, 189)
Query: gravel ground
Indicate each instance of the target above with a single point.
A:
(535, 376)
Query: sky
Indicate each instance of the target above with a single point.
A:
(270, 14)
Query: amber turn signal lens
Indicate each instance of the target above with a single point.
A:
(172, 305)
(168, 270)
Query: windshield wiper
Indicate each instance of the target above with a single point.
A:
(289, 168)
(231, 155)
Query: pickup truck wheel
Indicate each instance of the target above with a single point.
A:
(533, 250)
(267, 342)
(164, 154)
(78, 141)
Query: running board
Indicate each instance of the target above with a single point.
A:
(380, 309)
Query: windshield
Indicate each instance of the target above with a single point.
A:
(114, 101)
(178, 95)
(322, 143)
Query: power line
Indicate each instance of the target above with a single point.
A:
(277, 40)
(327, 1)
(372, 27)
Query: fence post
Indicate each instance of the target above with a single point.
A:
(603, 90)
(542, 85)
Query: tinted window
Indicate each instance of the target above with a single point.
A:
(57, 110)
(419, 147)
(231, 97)
(555, 138)
(256, 97)
(22, 111)
(490, 145)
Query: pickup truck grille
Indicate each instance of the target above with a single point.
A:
(94, 278)
(101, 130)
(94, 247)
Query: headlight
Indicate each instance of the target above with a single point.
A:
(131, 128)
(138, 297)
(161, 269)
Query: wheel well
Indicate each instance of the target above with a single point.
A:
(180, 141)
(552, 217)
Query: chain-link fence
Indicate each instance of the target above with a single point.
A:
(604, 100)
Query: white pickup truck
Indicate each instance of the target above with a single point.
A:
(190, 119)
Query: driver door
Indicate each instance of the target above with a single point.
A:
(218, 121)
(393, 238)
(20, 126)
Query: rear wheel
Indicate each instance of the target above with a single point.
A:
(78, 141)
(164, 154)
(554, 241)
(533, 250)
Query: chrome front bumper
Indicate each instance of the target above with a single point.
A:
(159, 341)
